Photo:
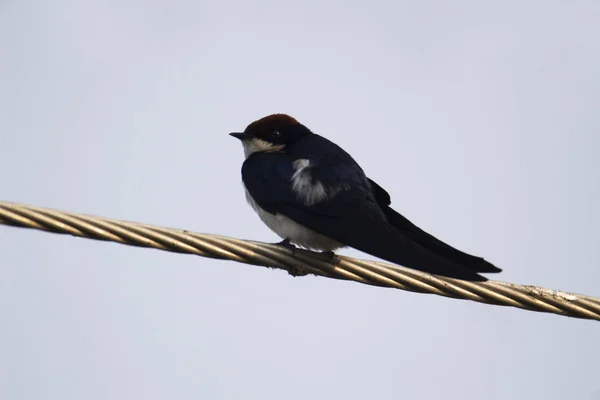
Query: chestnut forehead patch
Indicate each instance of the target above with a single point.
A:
(276, 121)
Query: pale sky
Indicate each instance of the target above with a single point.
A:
(479, 118)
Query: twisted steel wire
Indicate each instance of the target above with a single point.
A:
(299, 262)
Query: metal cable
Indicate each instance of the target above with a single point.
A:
(299, 262)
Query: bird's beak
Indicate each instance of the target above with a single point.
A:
(240, 135)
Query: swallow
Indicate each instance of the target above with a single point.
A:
(313, 194)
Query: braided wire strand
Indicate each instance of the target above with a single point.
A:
(299, 262)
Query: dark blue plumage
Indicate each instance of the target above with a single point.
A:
(296, 179)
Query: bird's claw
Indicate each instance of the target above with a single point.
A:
(286, 243)
(329, 255)
(323, 255)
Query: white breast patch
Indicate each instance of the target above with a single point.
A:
(296, 233)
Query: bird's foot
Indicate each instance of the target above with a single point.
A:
(292, 270)
(286, 243)
(326, 255)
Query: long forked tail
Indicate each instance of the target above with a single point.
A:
(431, 243)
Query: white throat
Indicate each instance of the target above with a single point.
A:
(256, 145)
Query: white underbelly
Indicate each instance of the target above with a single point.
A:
(296, 233)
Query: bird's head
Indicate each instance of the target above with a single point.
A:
(273, 133)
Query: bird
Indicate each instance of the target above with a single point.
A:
(313, 194)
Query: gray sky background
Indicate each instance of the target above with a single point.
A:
(480, 118)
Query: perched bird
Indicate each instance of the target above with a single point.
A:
(312, 193)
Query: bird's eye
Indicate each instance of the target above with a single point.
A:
(275, 134)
